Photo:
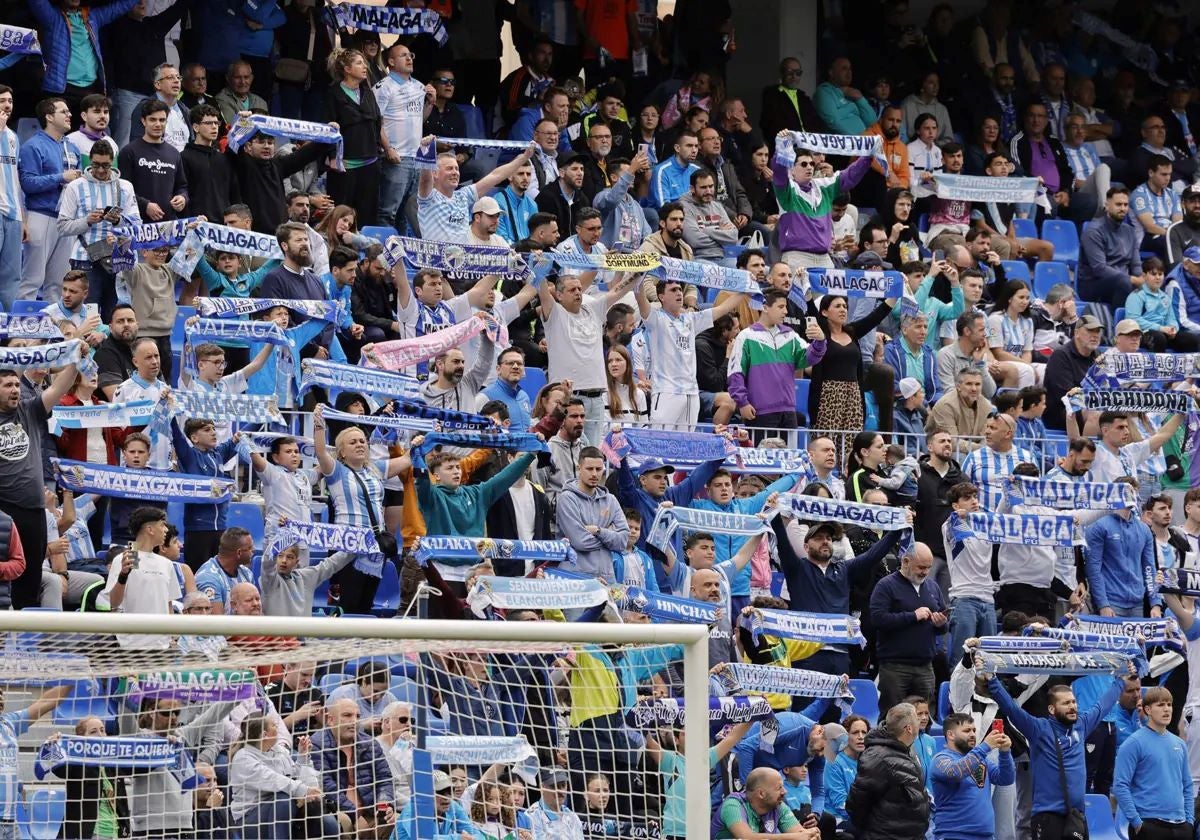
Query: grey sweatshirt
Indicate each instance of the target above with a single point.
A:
(593, 552)
(707, 228)
(292, 594)
(462, 396)
(256, 776)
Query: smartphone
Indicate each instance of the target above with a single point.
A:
(939, 255)
(91, 309)
(998, 726)
(644, 149)
(812, 322)
(136, 557)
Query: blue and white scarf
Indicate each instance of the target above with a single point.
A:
(18, 42)
(225, 307)
(225, 408)
(823, 628)
(355, 539)
(548, 593)
(260, 442)
(151, 485)
(871, 517)
(43, 356)
(390, 21)
(1069, 495)
(222, 238)
(1180, 581)
(722, 711)
(128, 753)
(335, 377)
(749, 460)
(1006, 644)
(139, 236)
(984, 189)
(1084, 640)
(476, 750)
(1016, 529)
(669, 520)
(855, 283)
(467, 551)
(1147, 631)
(408, 415)
(426, 156)
(466, 261)
(101, 416)
(737, 677)
(1137, 53)
(244, 128)
(1044, 662)
(1150, 367)
(839, 145)
(664, 608)
(1137, 400)
(676, 448)
(506, 441)
(246, 332)
(36, 325)
(709, 275)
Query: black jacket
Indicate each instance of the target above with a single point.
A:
(133, 69)
(712, 363)
(887, 800)
(502, 525)
(84, 790)
(551, 200)
(779, 113)
(260, 182)
(115, 362)
(358, 121)
(374, 304)
(932, 509)
(211, 185)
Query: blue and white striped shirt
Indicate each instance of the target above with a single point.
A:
(349, 504)
(10, 183)
(1160, 206)
(444, 219)
(1083, 160)
(82, 196)
(986, 469)
(12, 726)
(213, 581)
(79, 539)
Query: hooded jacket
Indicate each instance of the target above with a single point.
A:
(211, 185)
(82, 196)
(260, 182)
(55, 34)
(888, 799)
(462, 396)
(593, 551)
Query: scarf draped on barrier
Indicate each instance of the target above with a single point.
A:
(102, 416)
(669, 520)
(358, 540)
(1016, 528)
(871, 517)
(465, 261)
(1147, 631)
(35, 325)
(664, 608)
(126, 753)
(676, 448)
(823, 628)
(1041, 662)
(224, 307)
(548, 593)
(407, 415)
(467, 551)
(18, 42)
(56, 355)
(225, 408)
(1180, 581)
(722, 711)
(1005, 644)
(390, 21)
(335, 377)
(405, 352)
(222, 238)
(1136, 400)
(1150, 367)
(771, 679)
(1069, 495)
(426, 156)
(506, 441)
(244, 128)
(984, 189)
(477, 751)
(151, 485)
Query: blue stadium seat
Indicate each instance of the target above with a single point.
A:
(379, 232)
(248, 516)
(943, 703)
(802, 388)
(328, 682)
(404, 690)
(1025, 228)
(45, 809)
(1101, 824)
(85, 700)
(534, 381)
(939, 741)
(27, 307)
(1118, 315)
(923, 223)
(473, 117)
(1047, 274)
(1065, 239)
(387, 596)
(1016, 270)
(26, 128)
(866, 700)
(256, 568)
(181, 315)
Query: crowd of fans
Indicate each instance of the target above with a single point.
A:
(623, 137)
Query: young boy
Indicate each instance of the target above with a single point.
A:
(1157, 312)
(286, 488)
(1031, 431)
(227, 279)
(288, 590)
(634, 567)
(198, 453)
(135, 450)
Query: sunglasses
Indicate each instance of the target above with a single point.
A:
(444, 80)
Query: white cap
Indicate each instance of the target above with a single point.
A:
(908, 387)
(487, 206)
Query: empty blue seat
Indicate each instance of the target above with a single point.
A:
(939, 741)
(866, 700)
(1118, 315)
(404, 690)
(943, 703)
(1016, 270)
(1047, 273)
(802, 388)
(28, 307)
(1101, 824)
(85, 700)
(248, 516)
(1025, 228)
(379, 232)
(923, 223)
(1065, 239)
(328, 682)
(534, 381)
(177, 337)
(387, 596)
(45, 809)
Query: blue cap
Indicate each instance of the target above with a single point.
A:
(1192, 254)
(652, 464)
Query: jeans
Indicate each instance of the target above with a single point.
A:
(1129, 612)
(47, 259)
(279, 819)
(596, 419)
(969, 617)
(124, 107)
(10, 261)
(898, 680)
(397, 182)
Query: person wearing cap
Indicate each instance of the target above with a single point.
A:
(444, 209)
(551, 816)
(989, 465)
(485, 219)
(1109, 261)
(1185, 233)
(565, 197)
(452, 818)
(1067, 367)
(910, 413)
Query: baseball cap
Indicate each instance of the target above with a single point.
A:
(441, 781)
(908, 387)
(1089, 322)
(488, 206)
(652, 464)
(1127, 325)
(868, 258)
(573, 158)
(834, 529)
(555, 777)
(1192, 254)
(1190, 191)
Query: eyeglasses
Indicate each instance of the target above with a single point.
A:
(210, 122)
(514, 363)
(444, 80)
(167, 713)
(98, 165)
(216, 361)
(403, 719)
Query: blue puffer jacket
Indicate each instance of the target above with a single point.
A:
(372, 774)
(55, 37)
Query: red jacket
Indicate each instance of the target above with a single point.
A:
(72, 443)
(14, 566)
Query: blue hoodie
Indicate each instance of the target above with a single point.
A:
(790, 750)
(962, 789)
(55, 35)
(1120, 562)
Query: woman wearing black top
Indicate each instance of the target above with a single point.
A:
(867, 453)
(904, 240)
(835, 400)
(756, 178)
(351, 104)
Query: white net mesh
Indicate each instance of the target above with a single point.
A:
(247, 736)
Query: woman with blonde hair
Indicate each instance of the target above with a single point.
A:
(351, 104)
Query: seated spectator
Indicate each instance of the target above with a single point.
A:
(707, 226)
(1156, 311)
(452, 818)
(1038, 153)
(924, 100)
(397, 739)
(556, 107)
(565, 197)
(237, 95)
(998, 217)
(760, 810)
(841, 106)
(1154, 144)
(1054, 319)
(1109, 263)
(962, 411)
(1185, 233)
(1186, 278)
(984, 142)
(370, 693)
(1092, 177)
(924, 157)
(354, 771)
(912, 357)
(1155, 206)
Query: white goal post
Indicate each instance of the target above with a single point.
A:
(79, 636)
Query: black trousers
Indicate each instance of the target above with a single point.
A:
(356, 590)
(1100, 758)
(1049, 826)
(1162, 830)
(358, 188)
(31, 528)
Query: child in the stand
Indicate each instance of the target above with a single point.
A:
(902, 480)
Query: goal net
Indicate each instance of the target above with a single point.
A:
(246, 727)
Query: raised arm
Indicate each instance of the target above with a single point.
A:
(502, 173)
(730, 304)
(325, 461)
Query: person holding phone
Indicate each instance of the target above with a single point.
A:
(964, 802)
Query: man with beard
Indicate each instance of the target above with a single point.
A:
(443, 207)
(260, 175)
(1185, 233)
(295, 280)
(599, 146)
(1056, 747)
(895, 152)
(668, 242)
(908, 611)
(963, 776)
(1109, 265)
(300, 210)
(114, 356)
(450, 384)
(565, 197)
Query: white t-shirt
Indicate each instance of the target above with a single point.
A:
(134, 389)
(575, 345)
(151, 587)
(672, 345)
(1107, 467)
(401, 107)
(522, 499)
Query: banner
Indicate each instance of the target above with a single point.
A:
(478, 750)
(43, 356)
(665, 608)
(192, 686)
(463, 261)
(334, 377)
(853, 282)
(225, 408)
(984, 189)
(34, 325)
(221, 238)
(1016, 529)
(390, 21)
(634, 261)
(1135, 400)
(150, 485)
(426, 156)
(1149, 367)
(506, 441)
(722, 711)
(839, 145)
(225, 307)
(773, 679)
(548, 593)
(244, 128)
(466, 551)
(1069, 495)
(1055, 663)
(709, 275)
(824, 628)
(405, 352)
(670, 447)
(101, 416)
(127, 752)
(669, 520)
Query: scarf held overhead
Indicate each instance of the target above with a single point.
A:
(426, 156)
(403, 353)
(983, 189)
(478, 751)
(466, 551)
(771, 679)
(246, 127)
(101, 416)
(664, 608)
(1135, 400)
(669, 711)
(1069, 495)
(390, 21)
(222, 238)
(334, 377)
(35, 325)
(1150, 367)
(225, 408)
(677, 448)
(1040, 662)
(126, 753)
(466, 261)
(823, 628)
(506, 441)
(1016, 529)
(59, 354)
(151, 485)
(670, 520)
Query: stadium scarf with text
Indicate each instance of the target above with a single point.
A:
(871, 517)
(18, 42)
(549, 593)
(151, 485)
(1136, 52)
(356, 539)
(248, 243)
(225, 408)
(1042, 662)
(226, 307)
(426, 156)
(503, 440)
(1016, 528)
(752, 460)
(984, 189)
(663, 608)
(412, 415)
(840, 145)
(118, 752)
(1082, 641)
(139, 236)
(467, 551)
(1029, 644)
(335, 377)
(476, 750)
(244, 128)
(191, 685)
(101, 416)
(1147, 631)
(686, 448)
(709, 275)
(823, 628)
(669, 520)
(224, 329)
(58, 354)
(1180, 581)
(771, 679)
(1069, 495)
(638, 261)
(1150, 367)
(722, 711)
(405, 352)
(260, 442)
(1136, 400)
(854, 282)
(33, 325)
(464, 261)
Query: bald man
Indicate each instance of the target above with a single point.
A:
(706, 586)
(245, 600)
(760, 811)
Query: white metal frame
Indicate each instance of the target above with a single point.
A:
(693, 638)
